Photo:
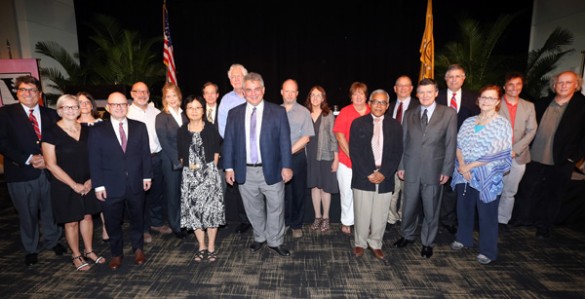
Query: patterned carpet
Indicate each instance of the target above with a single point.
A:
(321, 266)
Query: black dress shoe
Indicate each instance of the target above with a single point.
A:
(426, 252)
(389, 227)
(402, 242)
(242, 228)
(503, 228)
(452, 229)
(256, 246)
(59, 249)
(182, 234)
(542, 233)
(31, 259)
(281, 250)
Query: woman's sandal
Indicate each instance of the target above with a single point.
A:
(211, 256)
(324, 225)
(97, 260)
(83, 266)
(200, 255)
(316, 224)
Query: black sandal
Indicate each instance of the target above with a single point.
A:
(211, 256)
(200, 255)
(99, 260)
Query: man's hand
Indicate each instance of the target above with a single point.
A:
(287, 174)
(376, 177)
(230, 177)
(443, 179)
(400, 174)
(38, 162)
(101, 195)
(146, 185)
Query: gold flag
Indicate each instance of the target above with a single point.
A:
(427, 47)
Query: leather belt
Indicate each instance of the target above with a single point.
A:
(254, 165)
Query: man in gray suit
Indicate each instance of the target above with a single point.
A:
(522, 116)
(430, 141)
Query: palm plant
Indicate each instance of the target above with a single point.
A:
(475, 52)
(542, 61)
(74, 73)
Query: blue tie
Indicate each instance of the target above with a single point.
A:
(253, 149)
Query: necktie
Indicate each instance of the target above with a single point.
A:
(377, 141)
(454, 101)
(399, 113)
(123, 137)
(253, 149)
(424, 120)
(35, 123)
(210, 115)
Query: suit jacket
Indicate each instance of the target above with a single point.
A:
(569, 140)
(430, 154)
(414, 102)
(18, 140)
(167, 129)
(468, 105)
(524, 128)
(362, 156)
(115, 169)
(275, 145)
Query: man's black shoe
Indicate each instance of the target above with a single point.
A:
(256, 246)
(281, 250)
(242, 228)
(389, 227)
(59, 249)
(31, 259)
(503, 228)
(426, 252)
(182, 234)
(402, 242)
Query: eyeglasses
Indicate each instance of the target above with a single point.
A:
(70, 108)
(317, 95)
(488, 99)
(83, 103)
(31, 90)
(194, 108)
(115, 105)
(382, 103)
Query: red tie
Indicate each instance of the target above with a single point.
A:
(454, 101)
(399, 113)
(35, 123)
(123, 136)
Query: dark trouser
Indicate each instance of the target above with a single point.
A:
(467, 203)
(29, 198)
(153, 208)
(113, 209)
(540, 194)
(294, 192)
(172, 195)
(448, 206)
(232, 194)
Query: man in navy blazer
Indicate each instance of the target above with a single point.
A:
(257, 155)
(121, 176)
(465, 105)
(24, 167)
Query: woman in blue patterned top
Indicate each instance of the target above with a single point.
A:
(484, 145)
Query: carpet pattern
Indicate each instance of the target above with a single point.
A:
(321, 266)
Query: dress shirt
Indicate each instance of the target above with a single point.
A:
(430, 110)
(148, 117)
(228, 101)
(457, 98)
(405, 104)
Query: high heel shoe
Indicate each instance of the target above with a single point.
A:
(84, 266)
(98, 260)
(316, 224)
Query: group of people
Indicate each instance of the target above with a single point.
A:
(439, 158)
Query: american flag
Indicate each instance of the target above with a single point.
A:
(168, 57)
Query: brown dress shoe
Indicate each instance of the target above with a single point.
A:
(116, 262)
(139, 257)
(378, 253)
(358, 251)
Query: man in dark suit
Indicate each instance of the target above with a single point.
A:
(404, 102)
(121, 173)
(257, 155)
(430, 141)
(21, 127)
(558, 145)
(211, 94)
(464, 102)
(375, 150)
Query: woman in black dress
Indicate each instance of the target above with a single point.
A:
(74, 202)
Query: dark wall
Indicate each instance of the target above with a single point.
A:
(310, 41)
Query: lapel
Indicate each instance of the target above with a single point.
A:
(111, 134)
(22, 118)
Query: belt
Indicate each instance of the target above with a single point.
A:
(254, 165)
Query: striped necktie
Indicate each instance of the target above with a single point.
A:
(35, 123)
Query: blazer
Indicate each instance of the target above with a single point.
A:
(362, 156)
(18, 141)
(211, 142)
(524, 128)
(326, 143)
(166, 130)
(414, 102)
(468, 105)
(569, 140)
(275, 145)
(115, 169)
(429, 154)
